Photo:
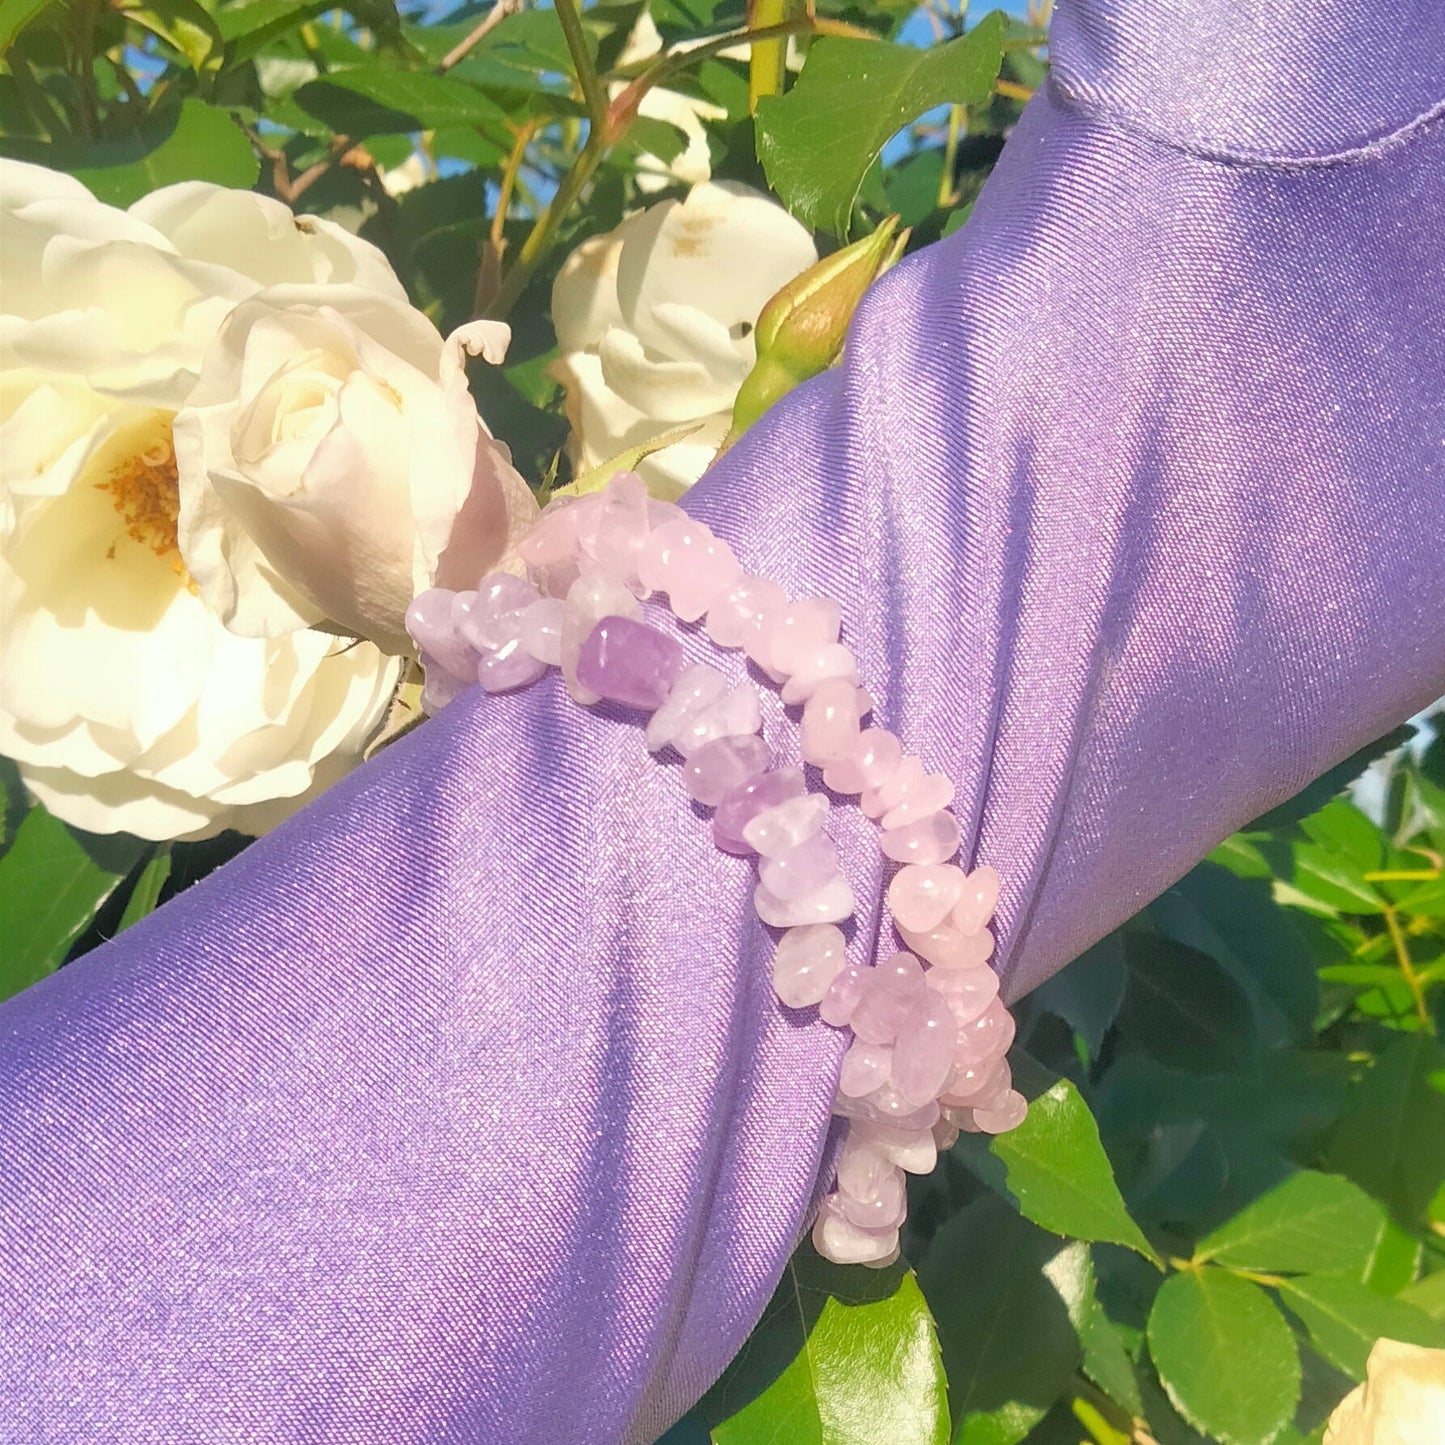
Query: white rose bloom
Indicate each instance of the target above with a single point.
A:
(332, 465)
(655, 320)
(123, 699)
(1402, 1401)
(693, 164)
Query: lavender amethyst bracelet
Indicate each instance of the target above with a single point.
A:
(929, 1030)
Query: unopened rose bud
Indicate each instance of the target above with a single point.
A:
(801, 331)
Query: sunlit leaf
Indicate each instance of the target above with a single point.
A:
(52, 881)
(1225, 1355)
(1345, 1318)
(818, 141)
(1310, 1222)
(192, 143)
(366, 101)
(842, 1356)
(1009, 1300)
(1056, 1170)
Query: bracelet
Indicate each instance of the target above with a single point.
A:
(929, 1030)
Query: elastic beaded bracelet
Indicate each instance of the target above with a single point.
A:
(929, 1030)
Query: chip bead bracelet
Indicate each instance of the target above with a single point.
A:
(930, 1033)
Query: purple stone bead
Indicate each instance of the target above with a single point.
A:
(630, 662)
(491, 620)
(429, 619)
(511, 665)
(718, 767)
(744, 803)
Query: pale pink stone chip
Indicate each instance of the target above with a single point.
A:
(730, 616)
(866, 1067)
(923, 1052)
(977, 901)
(921, 895)
(1008, 1114)
(831, 903)
(830, 722)
(777, 829)
(698, 688)
(715, 769)
(946, 947)
(807, 961)
(968, 991)
(832, 659)
(802, 869)
(685, 560)
(931, 839)
(797, 631)
(868, 763)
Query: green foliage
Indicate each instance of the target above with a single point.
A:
(841, 1357)
(818, 141)
(1056, 1172)
(52, 882)
(1232, 1178)
(1225, 1355)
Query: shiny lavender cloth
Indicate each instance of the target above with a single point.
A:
(460, 1108)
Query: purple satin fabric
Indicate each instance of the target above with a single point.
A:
(460, 1108)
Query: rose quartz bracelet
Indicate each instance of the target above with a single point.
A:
(929, 1030)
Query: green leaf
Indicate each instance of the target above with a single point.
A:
(367, 101)
(1008, 1299)
(1361, 975)
(1330, 870)
(249, 29)
(842, 1356)
(1056, 1170)
(52, 880)
(1428, 1294)
(1107, 1362)
(818, 141)
(1225, 1355)
(1310, 1222)
(15, 15)
(193, 142)
(184, 26)
(1183, 1008)
(1238, 924)
(1394, 1261)
(1390, 1139)
(1087, 994)
(147, 891)
(1345, 1318)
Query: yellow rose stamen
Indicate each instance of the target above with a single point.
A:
(145, 491)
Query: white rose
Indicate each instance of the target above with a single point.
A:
(1402, 1401)
(654, 323)
(332, 465)
(693, 164)
(125, 702)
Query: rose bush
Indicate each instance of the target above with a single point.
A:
(655, 319)
(123, 699)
